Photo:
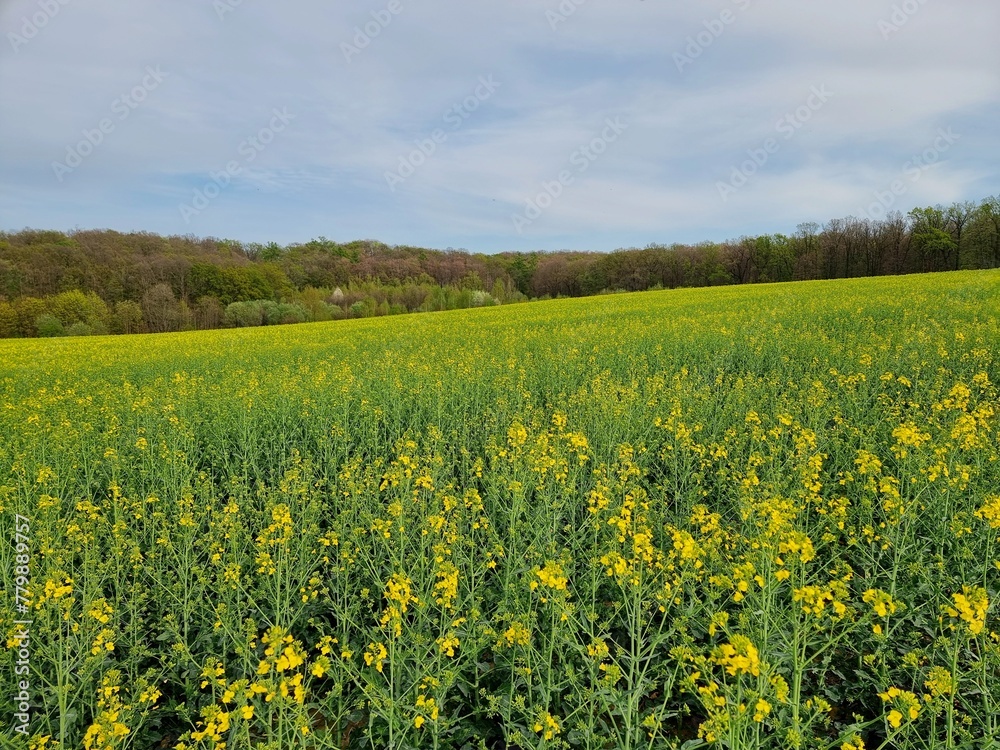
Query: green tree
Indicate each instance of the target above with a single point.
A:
(246, 314)
(932, 241)
(8, 320)
(80, 329)
(48, 325)
(28, 309)
(986, 230)
(499, 292)
(126, 317)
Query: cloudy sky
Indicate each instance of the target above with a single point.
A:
(506, 125)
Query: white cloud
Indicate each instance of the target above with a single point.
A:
(354, 120)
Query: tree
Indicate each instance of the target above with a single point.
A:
(986, 230)
(159, 309)
(937, 245)
(244, 314)
(471, 281)
(773, 258)
(271, 251)
(499, 292)
(208, 313)
(28, 309)
(76, 307)
(958, 217)
(932, 241)
(739, 259)
(185, 316)
(49, 325)
(8, 320)
(126, 317)
(521, 270)
(805, 248)
(80, 329)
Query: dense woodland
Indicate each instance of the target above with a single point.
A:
(97, 282)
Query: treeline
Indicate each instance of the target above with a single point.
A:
(96, 282)
(961, 236)
(99, 282)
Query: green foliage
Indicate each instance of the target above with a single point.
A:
(8, 320)
(48, 326)
(127, 317)
(204, 276)
(245, 314)
(752, 518)
(80, 329)
(28, 309)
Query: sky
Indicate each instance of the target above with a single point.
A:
(492, 126)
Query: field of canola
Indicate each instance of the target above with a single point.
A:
(756, 517)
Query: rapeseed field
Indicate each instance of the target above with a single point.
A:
(754, 517)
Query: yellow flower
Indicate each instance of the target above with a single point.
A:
(320, 667)
(376, 654)
(762, 709)
(103, 642)
(881, 602)
(970, 607)
(290, 659)
(990, 512)
(547, 726)
(939, 682)
(719, 620)
(447, 585)
(399, 593)
(516, 635)
(780, 686)
(448, 645)
(101, 611)
(908, 436)
(739, 656)
(798, 543)
(901, 701)
(551, 576)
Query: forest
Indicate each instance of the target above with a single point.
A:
(94, 282)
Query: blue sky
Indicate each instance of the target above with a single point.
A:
(514, 125)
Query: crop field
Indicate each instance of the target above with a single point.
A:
(754, 517)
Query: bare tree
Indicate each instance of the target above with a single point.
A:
(159, 308)
(958, 216)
